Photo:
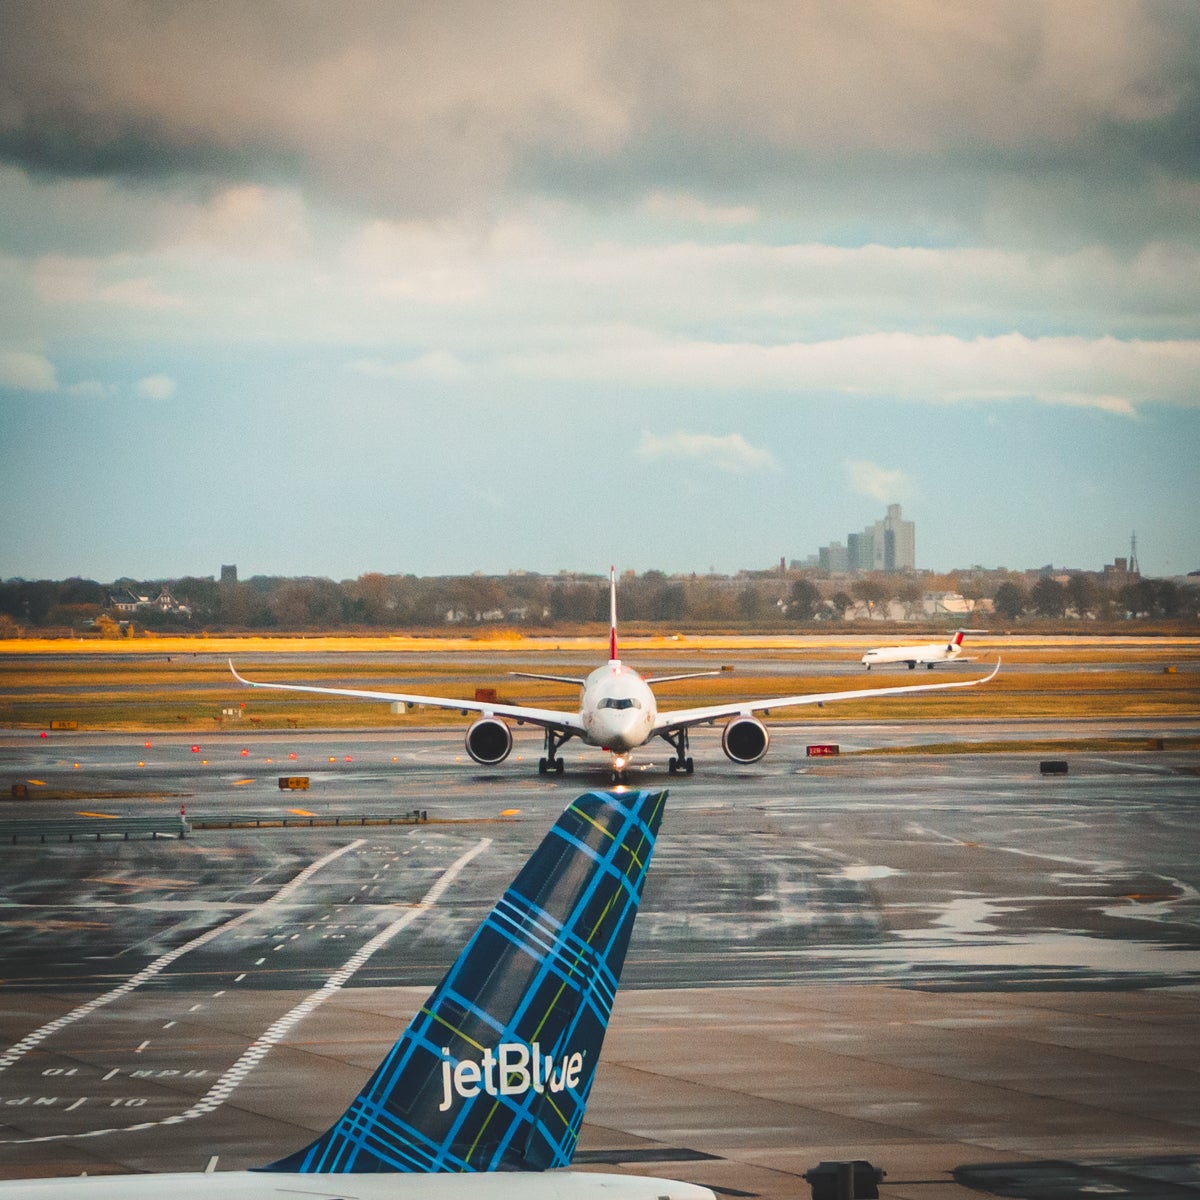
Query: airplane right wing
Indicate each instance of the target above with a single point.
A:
(682, 718)
(546, 718)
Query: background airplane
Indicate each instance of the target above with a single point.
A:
(928, 653)
(483, 1096)
(617, 712)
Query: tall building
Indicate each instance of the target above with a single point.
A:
(894, 542)
(229, 573)
(888, 545)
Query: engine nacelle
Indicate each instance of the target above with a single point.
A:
(489, 741)
(745, 740)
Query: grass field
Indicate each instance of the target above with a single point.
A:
(184, 684)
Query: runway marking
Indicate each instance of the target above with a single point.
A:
(253, 1055)
(18, 1051)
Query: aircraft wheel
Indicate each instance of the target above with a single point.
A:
(688, 765)
(673, 767)
(558, 766)
(543, 766)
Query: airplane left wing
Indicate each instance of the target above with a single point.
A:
(667, 722)
(543, 717)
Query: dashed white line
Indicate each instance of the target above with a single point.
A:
(258, 1049)
(18, 1051)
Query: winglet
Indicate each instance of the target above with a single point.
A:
(494, 1071)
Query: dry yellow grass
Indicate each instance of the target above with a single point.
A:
(184, 684)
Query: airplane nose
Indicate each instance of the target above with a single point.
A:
(621, 730)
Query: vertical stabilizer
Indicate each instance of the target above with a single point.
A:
(495, 1070)
(613, 656)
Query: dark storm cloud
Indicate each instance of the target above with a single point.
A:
(418, 109)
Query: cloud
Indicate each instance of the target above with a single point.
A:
(156, 387)
(880, 483)
(731, 453)
(1106, 373)
(437, 366)
(435, 109)
(26, 372)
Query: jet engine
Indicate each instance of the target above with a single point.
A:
(489, 741)
(745, 740)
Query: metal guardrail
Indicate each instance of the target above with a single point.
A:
(289, 821)
(14, 830)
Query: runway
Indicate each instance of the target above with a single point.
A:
(931, 962)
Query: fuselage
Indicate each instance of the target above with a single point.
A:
(617, 709)
(256, 1185)
(929, 652)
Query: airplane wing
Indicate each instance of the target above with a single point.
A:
(546, 718)
(550, 678)
(684, 717)
(654, 679)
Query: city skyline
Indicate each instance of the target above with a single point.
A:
(469, 288)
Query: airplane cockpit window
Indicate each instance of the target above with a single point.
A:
(622, 702)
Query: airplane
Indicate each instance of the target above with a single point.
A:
(483, 1095)
(927, 653)
(617, 712)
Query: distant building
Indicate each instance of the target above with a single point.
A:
(229, 574)
(128, 602)
(889, 544)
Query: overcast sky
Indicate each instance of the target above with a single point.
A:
(325, 289)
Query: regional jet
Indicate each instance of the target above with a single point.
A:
(927, 653)
(617, 712)
(483, 1096)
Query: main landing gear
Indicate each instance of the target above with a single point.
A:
(552, 764)
(682, 763)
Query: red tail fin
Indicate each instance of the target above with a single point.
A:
(612, 608)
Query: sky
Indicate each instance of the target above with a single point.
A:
(331, 289)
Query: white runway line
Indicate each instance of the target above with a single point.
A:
(18, 1051)
(258, 1049)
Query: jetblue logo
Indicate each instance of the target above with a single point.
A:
(510, 1070)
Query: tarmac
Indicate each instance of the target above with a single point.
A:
(974, 976)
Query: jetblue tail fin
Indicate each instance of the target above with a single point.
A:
(494, 1072)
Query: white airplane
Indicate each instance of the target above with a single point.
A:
(483, 1096)
(927, 653)
(617, 712)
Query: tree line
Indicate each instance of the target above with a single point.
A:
(393, 602)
